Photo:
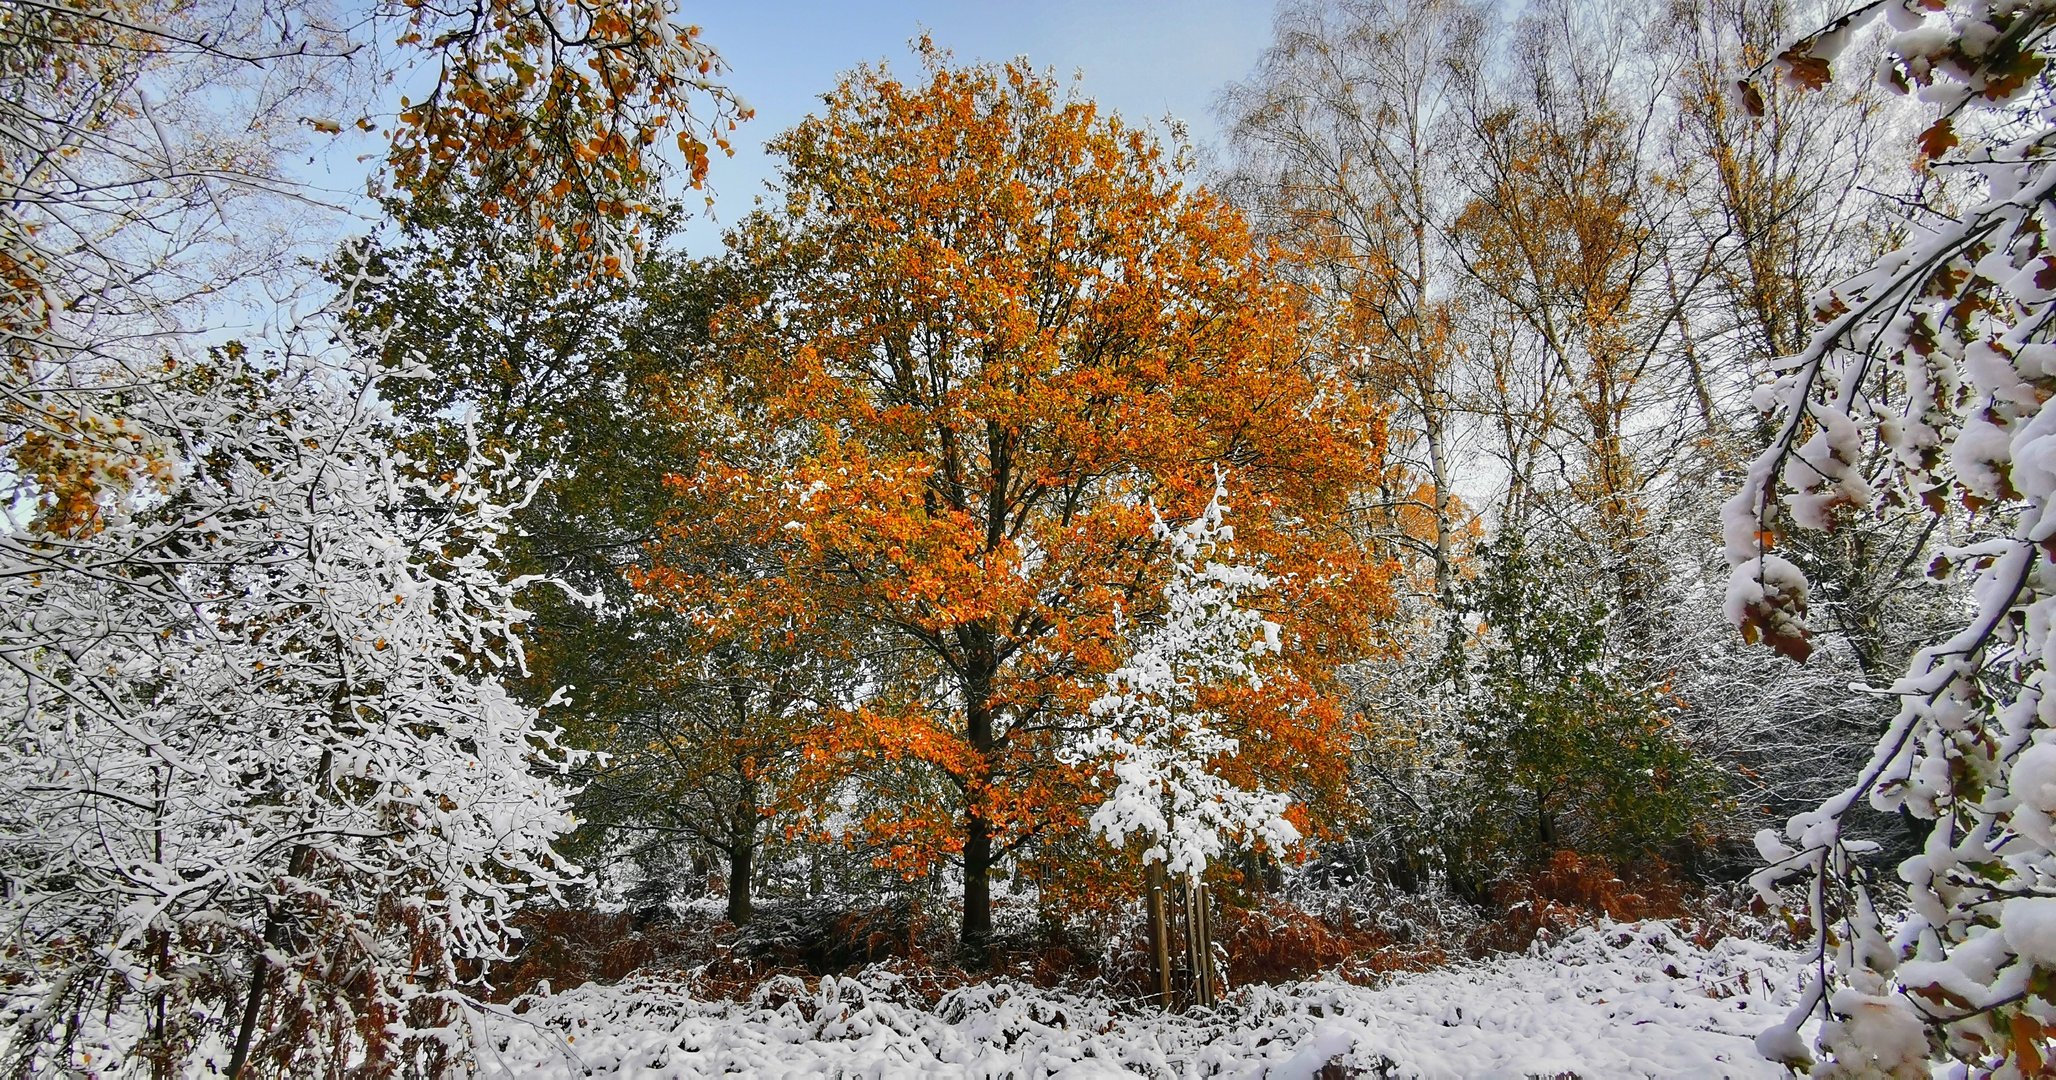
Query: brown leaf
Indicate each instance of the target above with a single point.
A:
(1794, 647)
(2027, 1040)
(1804, 68)
(1937, 139)
(2045, 278)
(1752, 98)
(1760, 625)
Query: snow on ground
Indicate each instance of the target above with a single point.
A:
(1613, 1001)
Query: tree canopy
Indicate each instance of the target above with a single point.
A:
(989, 329)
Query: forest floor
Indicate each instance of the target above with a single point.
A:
(1616, 1000)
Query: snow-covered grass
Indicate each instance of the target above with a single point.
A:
(1613, 1001)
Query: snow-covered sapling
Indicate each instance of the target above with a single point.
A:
(1160, 729)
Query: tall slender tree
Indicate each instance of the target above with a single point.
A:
(1343, 154)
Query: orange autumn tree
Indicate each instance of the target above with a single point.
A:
(992, 328)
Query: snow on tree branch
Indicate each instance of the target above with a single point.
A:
(1941, 355)
(254, 735)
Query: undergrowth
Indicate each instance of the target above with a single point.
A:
(1360, 935)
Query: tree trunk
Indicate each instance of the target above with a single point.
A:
(1197, 962)
(741, 858)
(1159, 935)
(1438, 478)
(297, 865)
(742, 843)
(274, 933)
(253, 1000)
(977, 933)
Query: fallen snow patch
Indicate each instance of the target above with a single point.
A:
(1611, 1001)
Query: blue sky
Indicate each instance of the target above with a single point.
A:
(1141, 58)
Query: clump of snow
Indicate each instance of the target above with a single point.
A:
(1878, 1035)
(1981, 454)
(1614, 1000)
(2034, 784)
(1767, 579)
(1830, 478)
(2029, 923)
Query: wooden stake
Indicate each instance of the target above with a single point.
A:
(1194, 963)
(1159, 935)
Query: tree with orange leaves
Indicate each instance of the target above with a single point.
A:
(993, 328)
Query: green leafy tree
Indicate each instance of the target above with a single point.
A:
(600, 388)
(1562, 747)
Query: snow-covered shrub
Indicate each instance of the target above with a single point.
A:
(256, 772)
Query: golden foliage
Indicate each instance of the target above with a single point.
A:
(991, 330)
